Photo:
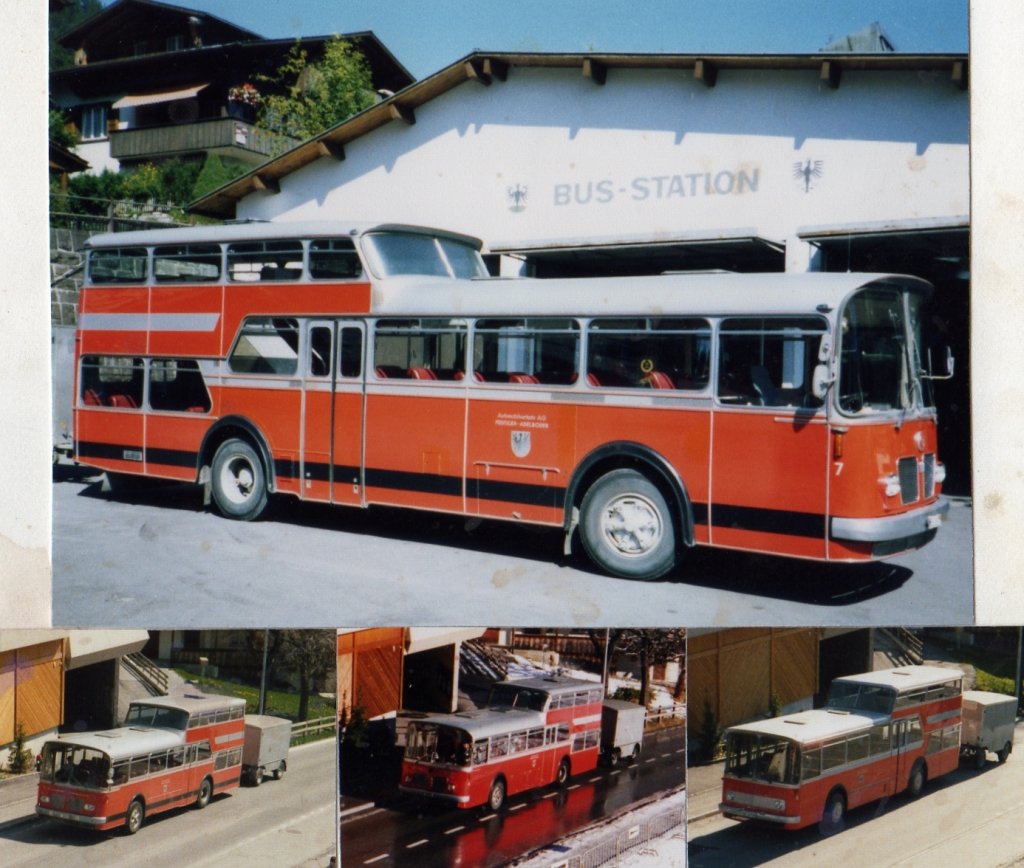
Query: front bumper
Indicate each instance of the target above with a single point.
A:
(750, 814)
(449, 798)
(67, 817)
(891, 527)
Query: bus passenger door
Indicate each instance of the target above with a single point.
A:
(770, 441)
(332, 412)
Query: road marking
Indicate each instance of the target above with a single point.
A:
(574, 787)
(415, 844)
(376, 859)
(487, 817)
(594, 779)
(666, 754)
(549, 795)
(518, 807)
(615, 772)
(454, 830)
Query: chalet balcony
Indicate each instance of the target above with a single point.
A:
(227, 136)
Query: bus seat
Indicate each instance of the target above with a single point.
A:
(659, 380)
(519, 377)
(422, 374)
(763, 385)
(123, 401)
(478, 377)
(389, 371)
(592, 380)
(92, 398)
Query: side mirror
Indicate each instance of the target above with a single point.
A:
(949, 364)
(821, 381)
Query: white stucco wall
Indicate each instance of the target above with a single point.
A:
(652, 154)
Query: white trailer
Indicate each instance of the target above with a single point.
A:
(988, 723)
(266, 747)
(622, 730)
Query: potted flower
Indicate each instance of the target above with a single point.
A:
(243, 101)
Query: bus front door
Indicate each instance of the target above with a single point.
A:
(332, 412)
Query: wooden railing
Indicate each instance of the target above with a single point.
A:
(311, 727)
(203, 135)
(151, 675)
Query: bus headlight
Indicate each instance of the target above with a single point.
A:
(88, 807)
(940, 473)
(890, 485)
(44, 800)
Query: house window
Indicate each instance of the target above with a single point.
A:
(176, 43)
(94, 122)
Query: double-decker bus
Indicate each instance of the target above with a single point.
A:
(170, 752)
(881, 733)
(533, 732)
(788, 414)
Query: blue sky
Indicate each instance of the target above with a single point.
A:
(427, 35)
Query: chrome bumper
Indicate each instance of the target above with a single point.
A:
(67, 817)
(749, 814)
(891, 527)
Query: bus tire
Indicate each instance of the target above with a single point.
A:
(1003, 755)
(205, 793)
(238, 480)
(562, 775)
(134, 817)
(916, 781)
(834, 814)
(626, 526)
(496, 797)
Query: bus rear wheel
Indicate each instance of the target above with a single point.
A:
(496, 797)
(133, 819)
(626, 526)
(238, 481)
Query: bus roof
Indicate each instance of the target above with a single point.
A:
(125, 741)
(485, 722)
(191, 703)
(550, 683)
(260, 231)
(665, 295)
(814, 725)
(904, 678)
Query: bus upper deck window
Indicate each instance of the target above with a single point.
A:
(251, 261)
(118, 265)
(334, 259)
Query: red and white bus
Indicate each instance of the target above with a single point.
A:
(882, 733)
(169, 753)
(778, 413)
(534, 732)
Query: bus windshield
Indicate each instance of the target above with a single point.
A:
(391, 254)
(851, 696)
(75, 765)
(433, 742)
(510, 696)
(757, 756)
(156, 715)
(880, 354)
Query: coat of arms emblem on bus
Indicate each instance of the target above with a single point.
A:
(520, 443)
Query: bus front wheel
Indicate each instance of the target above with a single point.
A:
(916, 782)
(626, 526)
(496, 797)
(238, 481)
(133, 819)
(834, 813)
(205, 794)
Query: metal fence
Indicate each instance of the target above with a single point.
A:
(620, 841)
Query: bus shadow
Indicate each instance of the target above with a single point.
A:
(789, 579)
(749, 574)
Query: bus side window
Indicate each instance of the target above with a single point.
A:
(333, 259)
(350, 362)
(527, 351)
(320, 339)
(177, 385)
(112, 381)
(769, 363)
